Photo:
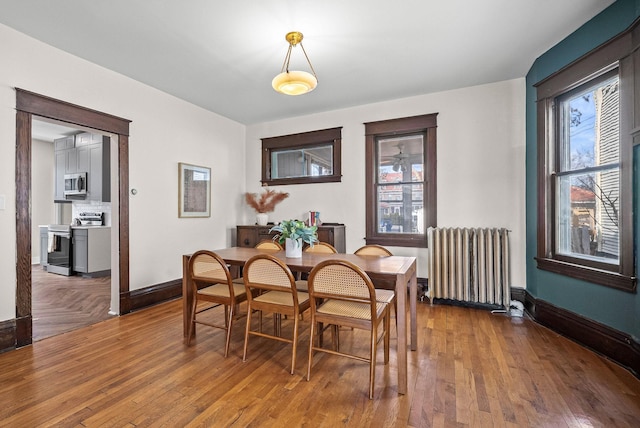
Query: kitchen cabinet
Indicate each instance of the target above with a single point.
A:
(92, 250)
(88, 153)
(249, 236)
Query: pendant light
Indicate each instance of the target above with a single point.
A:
(294, 82)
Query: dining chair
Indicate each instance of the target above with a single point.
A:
(373, 250)
(269, 245)
(209, 271)
(270, 287)
(385, 291)
(321, 247)
(342, 294)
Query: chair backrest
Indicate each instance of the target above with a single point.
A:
(266, 272)
(269, 245)
(209, 268)
(321, 247)
(373, 250)
(340, 279)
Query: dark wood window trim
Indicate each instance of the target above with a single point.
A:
(426, 124)
(332, 136)
(621, 52)
(29, 104)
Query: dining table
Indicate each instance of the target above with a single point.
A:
(400, 269)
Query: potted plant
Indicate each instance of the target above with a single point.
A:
(265, 203)
(293, 233)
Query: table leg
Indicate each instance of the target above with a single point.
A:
(401, 328)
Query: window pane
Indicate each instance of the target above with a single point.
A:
(314, 161)
(400, 208)
(400, 159)
(591, 127)
(587, 214)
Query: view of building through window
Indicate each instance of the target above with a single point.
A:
(588, 177)
(400, 184)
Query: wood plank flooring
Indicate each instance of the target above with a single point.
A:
(65, 303)
(471, 369)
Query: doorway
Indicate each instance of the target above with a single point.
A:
(28, 105)
(64, 295)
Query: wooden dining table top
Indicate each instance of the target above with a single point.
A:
(375, 266)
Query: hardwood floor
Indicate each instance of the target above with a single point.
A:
(65, 303)
(471, 369)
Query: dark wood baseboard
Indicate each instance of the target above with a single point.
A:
(154, 294)
(611, 343)
(7, 335)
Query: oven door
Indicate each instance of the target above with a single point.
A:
(59, 254)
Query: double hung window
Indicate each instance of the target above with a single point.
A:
(585, 139)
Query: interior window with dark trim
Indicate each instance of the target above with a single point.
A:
(584, 170)
(401, 180)
(309, 157)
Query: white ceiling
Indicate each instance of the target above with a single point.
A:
(222, 55)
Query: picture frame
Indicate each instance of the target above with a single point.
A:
(194, 191)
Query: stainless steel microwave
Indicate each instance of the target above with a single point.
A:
(75, 184)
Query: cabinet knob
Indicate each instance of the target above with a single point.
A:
(246, 242)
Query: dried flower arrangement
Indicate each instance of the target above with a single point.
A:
(266, 202)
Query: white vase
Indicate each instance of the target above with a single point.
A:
(293, 247)
(262, 219)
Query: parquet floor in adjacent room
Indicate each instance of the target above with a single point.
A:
(65, 303)
(471, 369)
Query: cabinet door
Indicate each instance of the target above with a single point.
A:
(80, 251)
(60, 159)
(246, 236)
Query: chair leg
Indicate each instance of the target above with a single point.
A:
(311, 341)
(387, 333)
(246, 331)
(192, 322)
(295, 342)
(372, 360)
(229, 323)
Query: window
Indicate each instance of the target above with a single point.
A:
(310, 157)
(401, 180)
(585, 224)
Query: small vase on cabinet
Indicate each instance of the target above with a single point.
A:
(293, 247)
(262, 219)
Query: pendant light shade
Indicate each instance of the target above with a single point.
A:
(294, 82)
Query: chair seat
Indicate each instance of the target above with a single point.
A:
(350, 309)
(222, 290)
(238, 281)
(282, 298)
(385, 296)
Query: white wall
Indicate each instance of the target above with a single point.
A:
(481, 164)
(164, 131)
(42, 189)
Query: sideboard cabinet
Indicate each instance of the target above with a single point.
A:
(249, 236)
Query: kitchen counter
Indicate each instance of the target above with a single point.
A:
(90, 227)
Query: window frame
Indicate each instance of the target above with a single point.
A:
(305, 140)
(614, 54)
(427, 125)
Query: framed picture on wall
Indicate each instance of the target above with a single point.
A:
(194, 191)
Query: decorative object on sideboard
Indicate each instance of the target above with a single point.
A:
(293, 233)
(264, 203)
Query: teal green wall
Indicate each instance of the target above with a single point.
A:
(617, 309)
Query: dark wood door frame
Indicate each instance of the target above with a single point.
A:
(29, 104)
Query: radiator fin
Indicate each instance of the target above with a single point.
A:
(469, 264)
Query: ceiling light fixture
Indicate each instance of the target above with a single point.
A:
(294, 82)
